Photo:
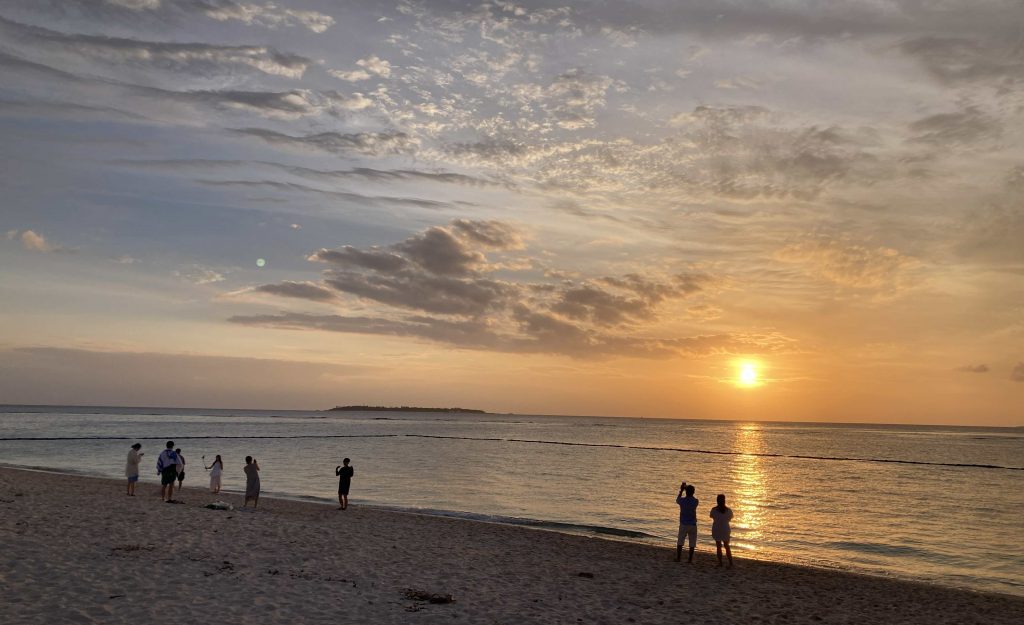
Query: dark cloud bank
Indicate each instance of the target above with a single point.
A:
(442, 285)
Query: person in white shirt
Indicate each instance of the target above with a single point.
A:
(720, 530)
(131, 468)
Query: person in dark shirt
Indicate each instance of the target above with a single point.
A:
(345, 474)
(687, 520)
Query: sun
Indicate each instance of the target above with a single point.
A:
(747, 375)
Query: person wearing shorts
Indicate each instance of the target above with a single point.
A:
(344, 474)
(131, 469)
(687, 521)
(167, 468)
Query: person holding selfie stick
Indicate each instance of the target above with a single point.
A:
(215, 470)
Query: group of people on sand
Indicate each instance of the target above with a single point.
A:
(721, 515)
(170, 466)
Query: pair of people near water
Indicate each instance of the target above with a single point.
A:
(169, 465)
(721, 515)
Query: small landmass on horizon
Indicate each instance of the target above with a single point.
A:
(402, 409)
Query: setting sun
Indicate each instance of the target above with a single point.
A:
(748, 374)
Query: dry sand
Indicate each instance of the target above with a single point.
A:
(77, 550)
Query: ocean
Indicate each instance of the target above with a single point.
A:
(943, 505)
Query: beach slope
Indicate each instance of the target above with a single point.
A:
(77, 550)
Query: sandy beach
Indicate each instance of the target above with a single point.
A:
(77, 550)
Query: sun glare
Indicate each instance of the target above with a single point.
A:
(747, 374)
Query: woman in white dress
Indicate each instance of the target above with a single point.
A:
(215, 470)
(720, 530)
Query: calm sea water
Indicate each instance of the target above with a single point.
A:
(940, 504)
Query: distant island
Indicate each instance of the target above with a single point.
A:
(402, 409)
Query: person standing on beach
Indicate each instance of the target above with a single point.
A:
(720, 530)
(167, 468)
(252, 482)
(687, 520)
(181, 469)
(345, 474)
(131, 469)
(215, 470)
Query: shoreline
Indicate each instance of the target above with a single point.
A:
(78, 550)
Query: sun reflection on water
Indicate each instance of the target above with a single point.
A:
(748, 502)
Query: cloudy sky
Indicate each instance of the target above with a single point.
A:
(550, 207)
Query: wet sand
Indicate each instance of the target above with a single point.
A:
(77, 550)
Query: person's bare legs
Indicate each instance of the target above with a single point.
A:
(718, 550)
(728, 553)
(344, 502)
(256, 502)
(693, 545)
(679, 553)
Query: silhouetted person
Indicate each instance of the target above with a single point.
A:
(687, 520)
(167, 467)
(720, 530)
(345, 474)
(181, 468)
(252, 482)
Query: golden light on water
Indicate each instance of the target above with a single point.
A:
(751, 492)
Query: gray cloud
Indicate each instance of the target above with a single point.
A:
(967, 126)
(154, 13)
(541, 334)
(299, 290)
(357, 198)
(982, 368)
(194, 59)
(429, 293)
(962, 61)
(367, 143)
(442, 272)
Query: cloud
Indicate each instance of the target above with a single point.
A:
(197, 274)
(35, 242)
(356, 198)
(964, 61)
(368, 67)
(1017, 374)
(161, 12)
(982, 368)
(367, 143)
(967, 126)
(436, 285)
(849, 264)
(541, 334)
(192, 59)
(268, 14)
(299, 290)
(284, 105)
